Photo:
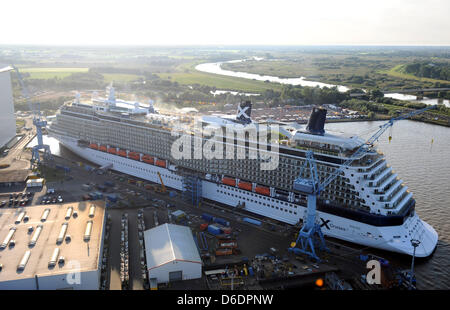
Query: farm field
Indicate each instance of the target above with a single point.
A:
(51, 72)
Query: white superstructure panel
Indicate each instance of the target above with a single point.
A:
(7, 119)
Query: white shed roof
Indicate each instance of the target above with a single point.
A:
(167, 243)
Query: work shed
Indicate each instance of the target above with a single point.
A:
(172, 254)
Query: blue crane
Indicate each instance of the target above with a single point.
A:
(37, 122)
(310, 235)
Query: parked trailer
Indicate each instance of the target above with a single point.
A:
(214, 230)
(224, 252)
(112, 197)
(208, 217)
(109, 184)
(251, 221)
(221, 221)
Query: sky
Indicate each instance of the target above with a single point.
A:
(226, 22)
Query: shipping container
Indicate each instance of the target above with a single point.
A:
(229, 181)
(207, 217)
(86, 187)
(224, 252)
(109, 183)
(221, 221)
(214, 230)
(231, 244)
(112, 197)
(251, 221)
(245, 185)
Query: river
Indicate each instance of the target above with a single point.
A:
(215, 67)
(425, 169)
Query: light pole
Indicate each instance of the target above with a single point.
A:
(415, 243)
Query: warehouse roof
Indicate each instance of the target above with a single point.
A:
(14, 175)
(86, 253)
(167, 243)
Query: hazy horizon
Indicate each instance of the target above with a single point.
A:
(230, 23)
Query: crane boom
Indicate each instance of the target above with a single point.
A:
(312, 187)
(38, 123)
(24, 88)
(163, 187)
(364, 147)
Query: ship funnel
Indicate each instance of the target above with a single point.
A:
(316, 121)
(77, 98)
(244, 111)
(151, 108)
(112, 95)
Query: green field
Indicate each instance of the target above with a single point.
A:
(51, 72)
(219, 81)
(397, 72)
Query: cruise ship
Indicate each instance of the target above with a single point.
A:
(368, 204)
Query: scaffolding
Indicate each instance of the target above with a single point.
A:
(192, 189)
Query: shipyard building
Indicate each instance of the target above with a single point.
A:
(172, 254)
(52, 246)
(7, 119)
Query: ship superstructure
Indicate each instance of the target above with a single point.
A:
(368, 204)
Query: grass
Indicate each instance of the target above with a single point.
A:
(397, 72)
(219, 81)
(51, 72)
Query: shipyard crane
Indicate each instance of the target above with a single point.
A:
(310, 235)
(163, 187)
(37, 122)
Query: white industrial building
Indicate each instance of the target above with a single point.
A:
(52, 246)
(172, 254)
(7, 119)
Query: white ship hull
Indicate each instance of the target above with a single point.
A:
(390, 238)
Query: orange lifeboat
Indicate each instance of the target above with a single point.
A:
(112, 150)
(133, 155)
(245, 185)
(229, 181)
(102, 148)
(161, 163)
(122, 153)
(93, 146)
(148, 159)
(262, 190)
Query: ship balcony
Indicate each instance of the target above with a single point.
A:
(386, 184)
(375, 170)
(391, 191)
(396, 196)
(367, 169)
(380, 175)
(403, 202)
